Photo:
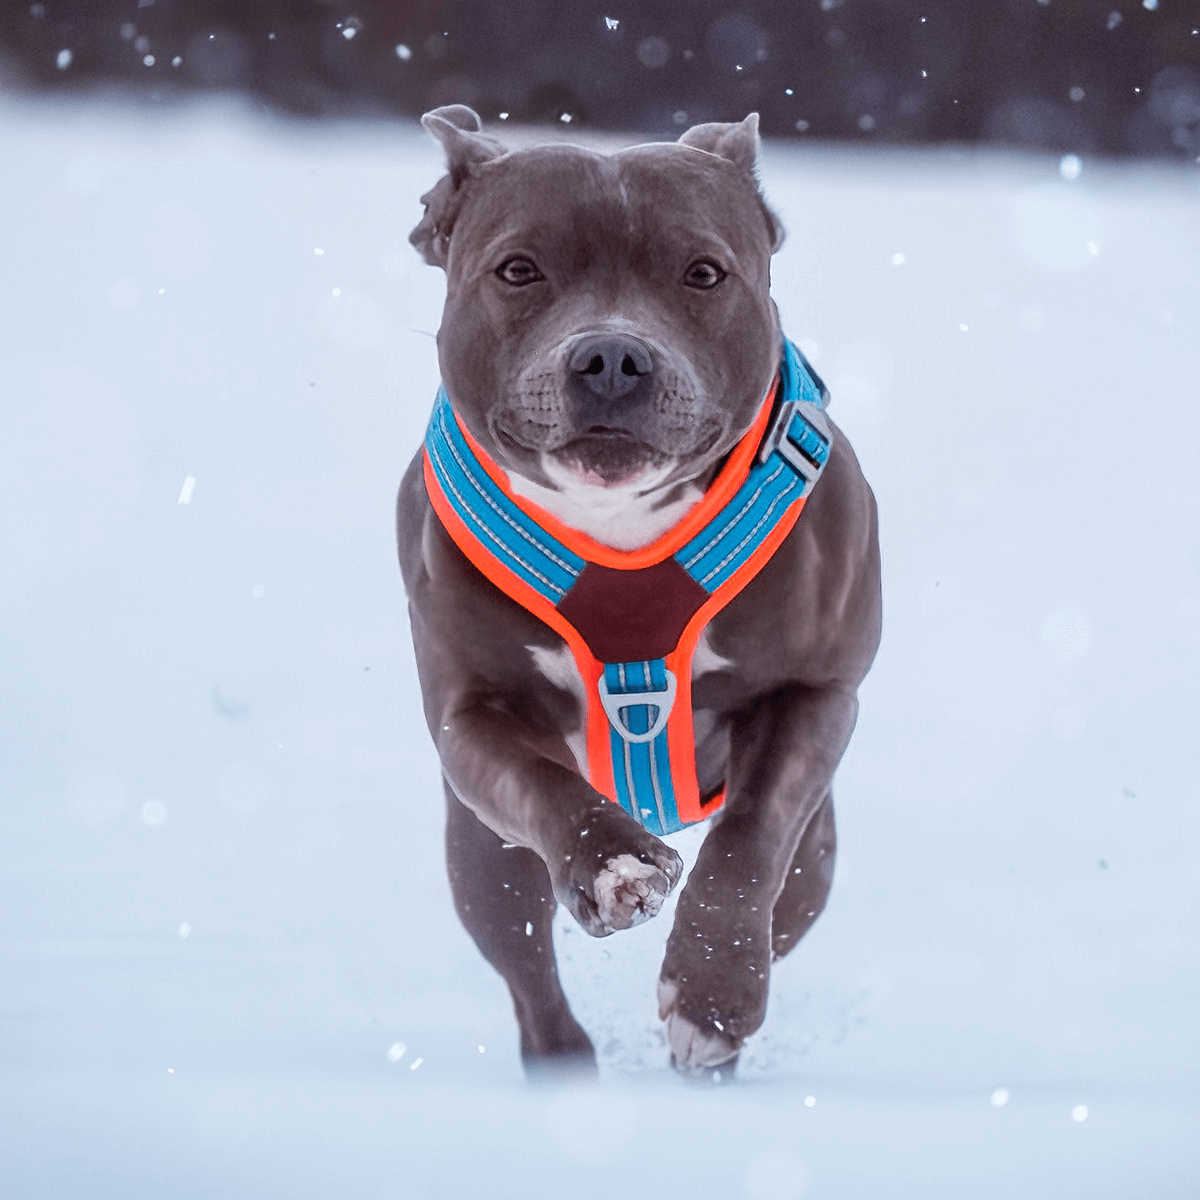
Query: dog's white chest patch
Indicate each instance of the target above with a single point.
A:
(558, 666)
(706, 659)
(625, 517)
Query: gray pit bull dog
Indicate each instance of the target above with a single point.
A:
(609, 342)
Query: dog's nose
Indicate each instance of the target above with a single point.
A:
(610, 365)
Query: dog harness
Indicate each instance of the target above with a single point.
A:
(632, 618)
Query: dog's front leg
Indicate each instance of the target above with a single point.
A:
(521, 783)
(713, 987)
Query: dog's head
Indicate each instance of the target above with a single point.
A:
(608, 323)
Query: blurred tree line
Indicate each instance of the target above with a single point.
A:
(1098, 76)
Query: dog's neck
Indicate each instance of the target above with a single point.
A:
(623, 517)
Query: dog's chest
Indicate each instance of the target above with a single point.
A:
(624, 517)
(558, 667)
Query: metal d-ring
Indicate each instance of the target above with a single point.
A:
(662, 699)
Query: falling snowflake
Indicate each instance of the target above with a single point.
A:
(154, 812)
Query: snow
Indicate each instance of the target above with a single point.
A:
(1069, 166)
(226, 939)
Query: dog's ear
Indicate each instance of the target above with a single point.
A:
(737, 141)
(458, 129)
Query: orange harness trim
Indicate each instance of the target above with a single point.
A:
(632, 619)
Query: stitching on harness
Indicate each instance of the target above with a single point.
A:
(787, 491)
(447, 482)
(656, 785)
(741, 512)
(520, 530)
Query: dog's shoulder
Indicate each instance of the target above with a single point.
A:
(412, 511)
(472, 626)
(813, 613)
(841, 514)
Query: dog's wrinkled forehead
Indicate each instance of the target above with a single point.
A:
(587, 209)
(567, 196)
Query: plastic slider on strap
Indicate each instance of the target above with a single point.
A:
(662, 700)
(799, 440)
(804, 436)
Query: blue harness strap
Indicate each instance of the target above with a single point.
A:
(540, 559)
(638, 742)
(793, 454)
(638, 696)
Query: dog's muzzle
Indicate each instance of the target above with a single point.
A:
(609, 369)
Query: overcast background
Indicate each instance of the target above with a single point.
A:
(1116, 77)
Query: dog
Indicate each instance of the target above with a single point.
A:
(609, 647)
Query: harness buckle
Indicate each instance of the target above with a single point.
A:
(801, 438)
(660, 699)
(779, 426)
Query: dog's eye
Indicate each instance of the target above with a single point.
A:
(703, 274)
(519, 271)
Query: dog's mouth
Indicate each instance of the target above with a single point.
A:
(601, 455)
(607, 457)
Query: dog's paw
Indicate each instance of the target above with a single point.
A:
(619, 875)
(628, 892)
(693, 1048)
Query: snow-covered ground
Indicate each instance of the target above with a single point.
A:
(228, 960)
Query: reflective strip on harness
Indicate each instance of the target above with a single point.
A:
(518, 542)
(638, 740)
(611, 606)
